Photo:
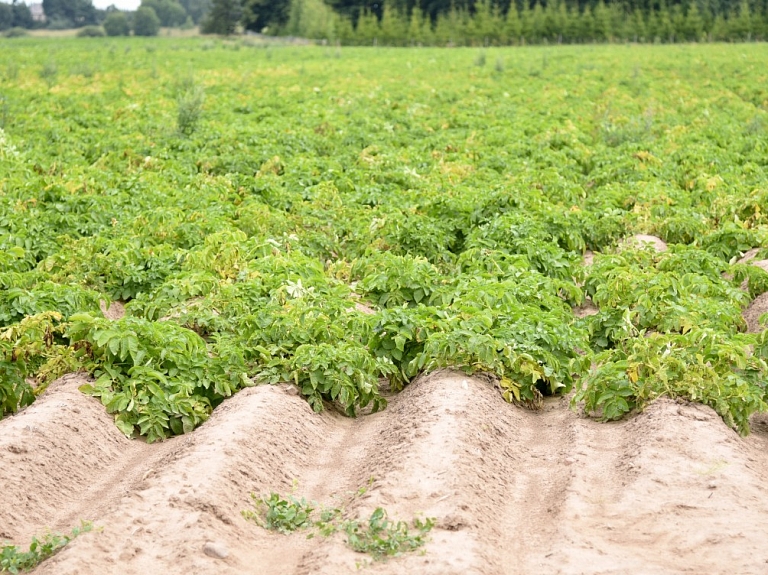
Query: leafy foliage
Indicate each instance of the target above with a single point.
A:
(701, 365)
(14, 560)
(337, 230)
(283, 515)
(379, 536)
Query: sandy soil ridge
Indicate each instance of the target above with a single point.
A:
(669, 491)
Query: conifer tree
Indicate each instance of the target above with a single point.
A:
(652, 27)
(537, 23)
(603, 28)
(464, 29)
(587, 28)
(741, 24)
(719, 30)
(367, 31)
(455, 26)
(481, 28)
(549, 28)
(665, 29)
(694, 24)
(572, 23)
(393, 25)
(619, 20)
(512, 26)
(427, 34)
(345, 32)
(443, 31)
(639, 28)
(562, 17)
(496, 24)
(526, 23)
(308, 19)
(416, 27)
(678, 23)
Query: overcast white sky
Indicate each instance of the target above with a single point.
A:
(122, 4)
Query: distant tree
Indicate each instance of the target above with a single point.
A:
(345, 32)
(394, 27)
(260, 14)
(562, 19)
(637, 26)
(116, 24)
(587, 25)
(740, 23)
(69, 13)
(572, 23)
(22, 15)
(526, 23)
(512, 26)
(6, 16)
(367, 28)
(311, 19)
(603, 23)
(694, 24)
(480, 29)
(719, 30)
(145, 22)
(419, 28)
(537, 22)
(665, 30)
(222, 18)
(198, 9)
(170, 12)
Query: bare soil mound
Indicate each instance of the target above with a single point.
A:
(754, 310)
(512, 491)
(749, 255)
(115, 311)
(586, 308)
(54, 453)
(643, 240)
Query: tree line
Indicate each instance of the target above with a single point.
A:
(423, 22)
(146, 20)
(488, 23)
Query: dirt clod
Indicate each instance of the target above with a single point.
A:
(217, 550)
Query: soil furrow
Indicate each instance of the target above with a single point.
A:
(52, 455)
(672, 490)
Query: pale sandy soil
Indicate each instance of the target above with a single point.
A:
(672, 490)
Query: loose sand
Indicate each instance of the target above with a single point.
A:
(671, 490)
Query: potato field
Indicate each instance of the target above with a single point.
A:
(274, 308)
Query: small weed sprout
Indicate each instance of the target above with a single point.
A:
(14, 560)
(85, 69)
(49, 73)
(379, 537)
(12, 71)
(278, 514)
(499, 65)
(382, 538)
(480, 60)
(190, 104)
